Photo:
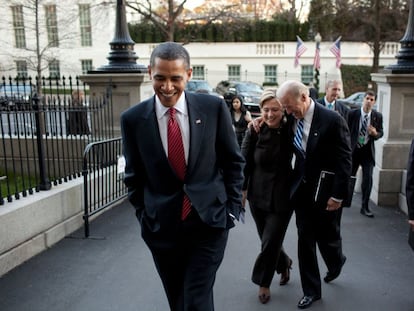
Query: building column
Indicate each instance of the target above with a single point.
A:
(396, 103)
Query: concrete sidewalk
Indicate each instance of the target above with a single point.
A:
(113, 270)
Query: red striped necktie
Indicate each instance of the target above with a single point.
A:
(176, 156)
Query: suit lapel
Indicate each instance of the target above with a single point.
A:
(197, 122)
(314, 131)
(152, 139)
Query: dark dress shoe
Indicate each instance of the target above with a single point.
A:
(307, 301)
(264, 295)
(367, 212)
(330, 276)
(285, 275)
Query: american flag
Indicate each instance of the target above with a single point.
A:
(336, 50)
(317, 59)
(300, 49)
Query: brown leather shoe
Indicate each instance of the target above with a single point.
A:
(264, 295)
(285, 275)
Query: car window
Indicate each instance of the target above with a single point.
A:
(249, 87)
(9, 90)
(198, 85)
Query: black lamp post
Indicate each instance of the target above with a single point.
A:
(405, 55)
(122, 58)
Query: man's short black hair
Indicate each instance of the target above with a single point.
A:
(170, 51)
(370, 93)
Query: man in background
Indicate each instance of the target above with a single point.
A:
(365, 125)
(409, 193)
(333, 90)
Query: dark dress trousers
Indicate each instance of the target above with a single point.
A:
(364, 156)
(267, 178)
(409, 191)
(185, 252)
(410, 182)
(328, 148)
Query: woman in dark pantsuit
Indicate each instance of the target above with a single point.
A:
(268, 155)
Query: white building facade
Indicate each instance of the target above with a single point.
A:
(74, 37)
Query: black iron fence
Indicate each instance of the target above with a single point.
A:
(103, 184)
(45, 126)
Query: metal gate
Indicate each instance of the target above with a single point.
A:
(102, 171)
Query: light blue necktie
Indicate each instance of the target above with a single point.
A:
(330, 106)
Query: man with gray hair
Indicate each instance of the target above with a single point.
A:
(331, 100)
(321, 142)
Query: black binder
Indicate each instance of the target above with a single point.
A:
(324, 190)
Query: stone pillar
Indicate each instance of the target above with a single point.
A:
(396, 102)
(126, 81)
(127, 89)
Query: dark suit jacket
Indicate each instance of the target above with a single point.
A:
(214, 174)
(354, 117)
(339, 107)
(268, 168)
(329, 149)
(409, 186)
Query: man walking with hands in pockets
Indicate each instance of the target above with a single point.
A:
(184, 173)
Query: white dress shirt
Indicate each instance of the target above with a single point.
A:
(182, 119)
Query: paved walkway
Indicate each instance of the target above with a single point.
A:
(113, 270)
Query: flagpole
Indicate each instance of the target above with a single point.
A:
(317, 60)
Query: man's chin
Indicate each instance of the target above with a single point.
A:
(168, 101)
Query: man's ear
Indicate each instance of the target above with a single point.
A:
(189, 74)
(149, 72)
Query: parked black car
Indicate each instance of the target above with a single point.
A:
(355, 100)
(201, 86)
(15, 94)
(249, 91)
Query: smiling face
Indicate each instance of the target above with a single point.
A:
(297, 105)
(272, 112)
(169, 78)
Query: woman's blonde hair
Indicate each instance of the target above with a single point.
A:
(268, 93)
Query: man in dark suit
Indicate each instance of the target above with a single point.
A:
(321, 142)
(185, 210)
(333, 90)
(362, 144)
(409, 193)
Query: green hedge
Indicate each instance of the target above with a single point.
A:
(237, 31)
(355, 78)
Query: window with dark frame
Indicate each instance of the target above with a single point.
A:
(51, 25)
(18, 26)
(86, 65)
(270, 72)
(85, 24)
(233, 72)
